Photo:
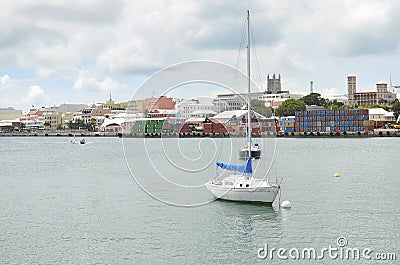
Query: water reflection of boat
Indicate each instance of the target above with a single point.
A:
(245, 218)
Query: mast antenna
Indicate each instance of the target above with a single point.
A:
(248, 83)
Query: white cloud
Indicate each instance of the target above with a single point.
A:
(7, 89)
(4, 79)
(34, 96)
(329, 93)
(125, 41)
(85, 82)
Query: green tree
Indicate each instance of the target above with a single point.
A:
(314, 99)
(22, 125)
(259, 107)
(92, 124)
(396, 108)
(290, 106)
(382, 101)
(387, 108)
(46, 124)
(334, 104)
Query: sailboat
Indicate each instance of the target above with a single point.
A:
(242, 186)
(255, 151)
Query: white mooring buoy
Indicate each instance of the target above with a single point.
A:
(286, 204)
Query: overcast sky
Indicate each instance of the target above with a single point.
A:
(54, 51)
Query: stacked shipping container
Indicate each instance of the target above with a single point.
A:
(146, 126)
(288, 124)
(326, 121)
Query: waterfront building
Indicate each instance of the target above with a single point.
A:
(202, 113)
(85, 115)
(225, 102)
(9, 125)
(109, 104)
(100, 111)
(237, 101)
(54, 119)
(121, 122)
(194, 107)
(162, 102)
(381, 96)
(9, 113)
(136, 106)
(379, 114)
(276, 100)
(162, 113)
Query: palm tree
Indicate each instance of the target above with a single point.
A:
(46, 124)
(93, 123)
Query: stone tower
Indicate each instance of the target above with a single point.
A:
(274, 84)
(351, 88)
(382, 90)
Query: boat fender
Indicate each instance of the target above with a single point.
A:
(286, 205)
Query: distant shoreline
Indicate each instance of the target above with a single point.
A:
(378, 133)
(58, 134)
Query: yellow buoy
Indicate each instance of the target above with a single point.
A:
(336, 175)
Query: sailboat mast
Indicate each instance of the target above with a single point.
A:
(248, 84)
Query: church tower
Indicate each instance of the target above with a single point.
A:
(274, 84)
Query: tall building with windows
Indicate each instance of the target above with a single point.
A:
(381, 96)
(351, 88)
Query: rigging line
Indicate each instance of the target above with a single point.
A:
(273, 158)
(241, 45)
(258, 74)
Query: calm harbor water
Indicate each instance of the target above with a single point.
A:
(64, 203)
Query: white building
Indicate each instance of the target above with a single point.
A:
(341, 98)
(275, 100)
(9, 113)
(192, 107)
(225, 102)
(379, 114)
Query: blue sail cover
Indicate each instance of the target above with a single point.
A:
(244, 168)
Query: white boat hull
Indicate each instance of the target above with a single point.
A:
(254, 193)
